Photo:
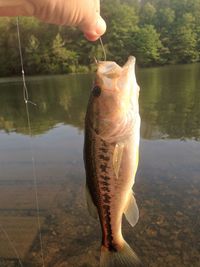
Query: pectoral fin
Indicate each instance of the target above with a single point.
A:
(117, 157)
(91, 206)
(132, 211)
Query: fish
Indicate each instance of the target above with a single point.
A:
(111, 155)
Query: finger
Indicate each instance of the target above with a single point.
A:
(97, 5)
(96, 31)
(94, 26)
(16, 8)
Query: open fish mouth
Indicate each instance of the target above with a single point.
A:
(111, 69)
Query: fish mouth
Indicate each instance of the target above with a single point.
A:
(109, 71)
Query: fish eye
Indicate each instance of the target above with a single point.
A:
(96, 91)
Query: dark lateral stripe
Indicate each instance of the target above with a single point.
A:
(103, 149)
(107, 198)
(105, 178)
(105, 189)
(98, 157)
(105, 183)
(103, 157)
(109, 235)
(104, 168)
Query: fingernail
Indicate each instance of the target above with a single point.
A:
(100, 26)
(91, 37)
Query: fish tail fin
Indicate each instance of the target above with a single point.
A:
(124, 257)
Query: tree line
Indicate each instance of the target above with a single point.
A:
(157, 32)
(169, 107)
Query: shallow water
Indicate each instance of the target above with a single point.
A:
(167, 184)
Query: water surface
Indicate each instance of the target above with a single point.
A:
(167, 184)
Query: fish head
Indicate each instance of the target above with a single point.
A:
(114, 96)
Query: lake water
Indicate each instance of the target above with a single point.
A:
(167, 183)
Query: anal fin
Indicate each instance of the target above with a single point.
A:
(132, 211)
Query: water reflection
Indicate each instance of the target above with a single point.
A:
(59, 99)
(169, 102)
(167, 183)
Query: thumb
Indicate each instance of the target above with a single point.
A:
(93, 31)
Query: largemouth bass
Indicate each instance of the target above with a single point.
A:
(112, 132)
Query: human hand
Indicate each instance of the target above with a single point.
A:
(84, 14)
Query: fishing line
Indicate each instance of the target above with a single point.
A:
(11, 244)
(27, 101)
(103, 48)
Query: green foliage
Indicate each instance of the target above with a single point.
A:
(147, 14)
(164, 19)
(147, 45)
(185, 45)
(156, 31)
(121, 21)
(184, 41)
(60, 59)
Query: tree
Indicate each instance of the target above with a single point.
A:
(184, 46)
(157, 31)
(61, 60)
(146, 45)
(164, 20)
(147, 14)
(122, 21)
(184, 39)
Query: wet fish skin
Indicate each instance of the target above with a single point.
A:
(112, 131)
